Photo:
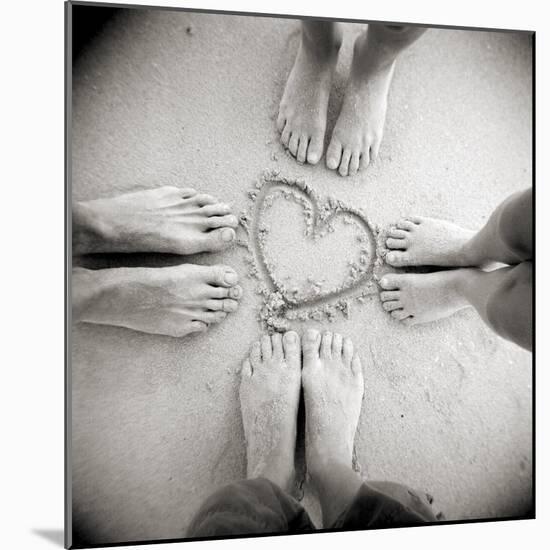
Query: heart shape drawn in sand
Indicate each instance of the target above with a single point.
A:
(278, 253)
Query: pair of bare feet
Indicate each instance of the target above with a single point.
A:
(330, 373)
(173, 301)
(420, 298)
(357, 135)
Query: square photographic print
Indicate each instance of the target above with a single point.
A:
(300, 287)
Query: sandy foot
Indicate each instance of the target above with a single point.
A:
(333, 384)
(174, 301)
(269, 394)
(358, 131)
(166, 219)
(421, 298)
(303, 110)
(418, 241)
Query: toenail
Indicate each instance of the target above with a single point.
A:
(235, 292)
(391, 257)
(291, 337)
(231, 277)
(227, 235)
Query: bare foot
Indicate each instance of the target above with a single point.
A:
(427, 241)
(174, 301)
(420, 298)
(166, 219)
(302, 116)
(358, 131)
(269, 394)
(333, 384)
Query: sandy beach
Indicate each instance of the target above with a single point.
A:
(187, 99)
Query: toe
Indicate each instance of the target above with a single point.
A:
(396, 243)
(186, 192)
(398, 259)
(293, 144)
(334, 154)
(277, 345)
(285, 136)
(344, 163)
(302, 149)
(281, 121)
(256, 354)
(315, 150)
(386, 295)
(347, 350)
(222, 221)
(291, 345)
(227, 305)
(405, 225)
(310, 344)
(236, 292)
(267, 350)
(399, 314)
(409, 321)
(220, 275)
(326, 345)
(390, 282)
(218, 209)
(219, 292)
(337, 345)
(397, 233)
(364, 161)
(203, 199)
(198, 326)
(392, 305)
(246, 369)
(211, 317)
(230, 306)
(374, 149)
(354, 163)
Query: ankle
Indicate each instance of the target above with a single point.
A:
(463, 280)
(322, 52)
(282, 475)
(321, 464)
(469, 254)
(371, 56)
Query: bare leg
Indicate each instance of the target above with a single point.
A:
(505, 238)
(165, 219)
(358, 132)
(269, 394)
(173, 301)
(332, 379)
(303, 110)
(501, 297)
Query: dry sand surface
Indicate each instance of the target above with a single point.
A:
(190, 100)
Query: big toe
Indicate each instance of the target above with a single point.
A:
(390, 282)
(398, 259)
(291, 347)
(334, 154)
(310, 344)
(221, 275)
(315, 149)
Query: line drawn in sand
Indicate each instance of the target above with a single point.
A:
(286, 299)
